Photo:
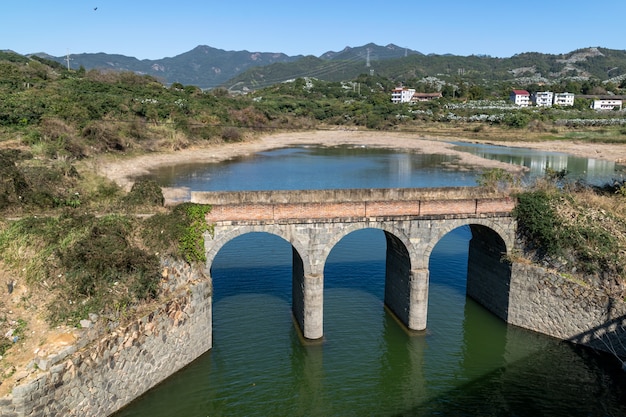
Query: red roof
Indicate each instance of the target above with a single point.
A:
(521, 93)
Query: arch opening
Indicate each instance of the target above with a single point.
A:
(253, 262)
(488, 270)
(469, 261)
(259, 271)
(365, 269)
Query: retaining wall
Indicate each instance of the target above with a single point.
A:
(108, 369)
(548, 303)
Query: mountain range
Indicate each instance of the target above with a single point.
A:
(208, 67)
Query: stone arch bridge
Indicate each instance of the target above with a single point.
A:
(413, 221)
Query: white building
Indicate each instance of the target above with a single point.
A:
(564, 99)
(606, 104)
(520, 97)
(402, 95)
(543, 98)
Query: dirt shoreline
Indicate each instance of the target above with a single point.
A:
(123, 171)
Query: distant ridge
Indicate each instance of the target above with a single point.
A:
(208, 67)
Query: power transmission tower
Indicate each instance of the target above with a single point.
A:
(68, 59)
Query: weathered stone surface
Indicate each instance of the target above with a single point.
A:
(548, 303)
(98, 377)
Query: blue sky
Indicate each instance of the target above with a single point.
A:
(161, 28)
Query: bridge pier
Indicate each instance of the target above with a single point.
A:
(307, 295)
(418, 307)
(313, 323)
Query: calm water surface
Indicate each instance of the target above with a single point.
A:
(468, 363)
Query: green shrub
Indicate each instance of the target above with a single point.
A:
(497, 179)
(101, 268)
(145, 193)
(563, 224)
(537, 221)
(179, 233)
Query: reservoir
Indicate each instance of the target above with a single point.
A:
(467, 362)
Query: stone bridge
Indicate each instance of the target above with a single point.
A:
(413, 221)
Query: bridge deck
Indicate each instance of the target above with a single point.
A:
(312, 205)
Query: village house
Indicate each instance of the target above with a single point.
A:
(543, 98)
(408, 95)
(520, 97)
(606, 104)
(563, 99)
(402, 95)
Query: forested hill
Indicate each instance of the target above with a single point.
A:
(522, 69)
(208, 67)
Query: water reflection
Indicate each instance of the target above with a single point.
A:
(593, 171)
(317, 168)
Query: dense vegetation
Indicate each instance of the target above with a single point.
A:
(576, 229)
(86, 244)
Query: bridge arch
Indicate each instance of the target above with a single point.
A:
(413, 220)
(391, 232)
(399, 256)
(445, 227)
(488, 269)
(222, 235)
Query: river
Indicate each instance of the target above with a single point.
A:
(467, 363)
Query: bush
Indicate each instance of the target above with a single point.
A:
(179, 233)
(13, 185)
(101, 268)
(231, 134)
(537, 221)
(497, 179)
(104, 138)
(145, 193)
(516, 120)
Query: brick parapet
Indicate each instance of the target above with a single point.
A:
(276, 212)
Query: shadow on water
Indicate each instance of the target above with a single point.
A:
(537, 377)
(468, 362)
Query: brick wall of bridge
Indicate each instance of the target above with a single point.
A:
(366, 209)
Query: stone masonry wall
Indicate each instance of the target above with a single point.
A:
(546, 302)
(357, 195)
(107, 369)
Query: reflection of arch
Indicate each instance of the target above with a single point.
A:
(222, 237)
